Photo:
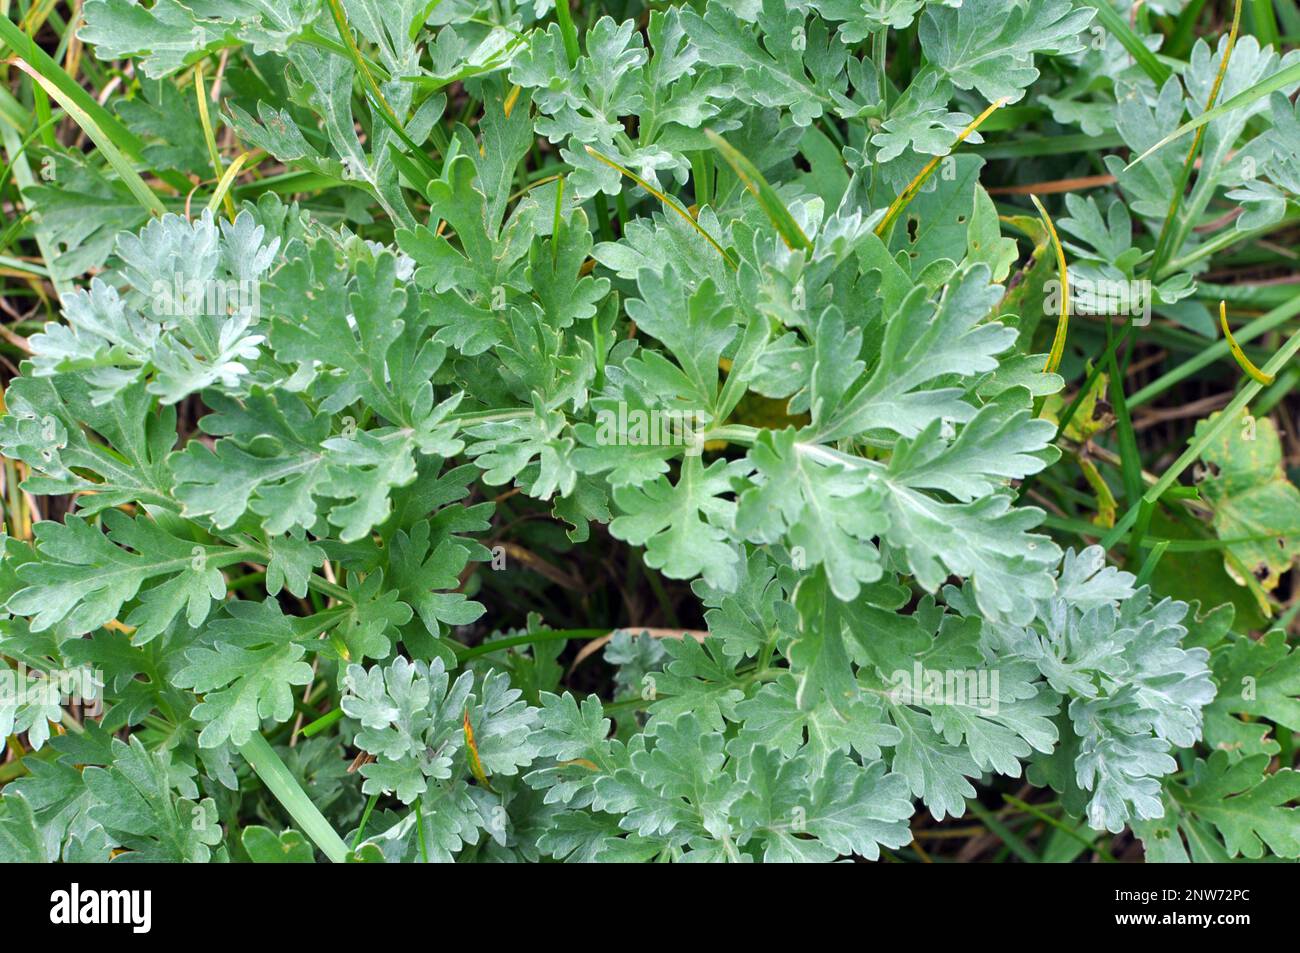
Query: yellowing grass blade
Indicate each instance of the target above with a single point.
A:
(896, 207)
(201, 98)
(511, 99)
(1237, 353)
(1063, 319)
(475, 764)
(223, 187)
(121, 165)
(1162, 241)
(768, 200)
(665, 199)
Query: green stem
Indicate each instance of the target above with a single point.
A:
(365, 819)
(14, 38)
(490, 416)
(325, 587)
(487, 648)
(1063, 828)
(381, 107)
(568, 31)
(321, 723)
(262, 758)
(879, 53)
(419, 820)
(1230, 236)
(1203, 438)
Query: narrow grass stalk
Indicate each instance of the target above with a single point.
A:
(382, 108)
(1224, 239)
(766, 196)
(550, 635)
(1265, 23)
(1237, 353)
(567, 30)
(1053, 822)
(1083, 528)
(121, 165)
(1180, 41)
(1204, 438)
(223, 187)
(13, 113)
(555, 225)
(1166, 230)
(1152, 560)
(1063, 319)
(896, 207)
(321, 723)
(663, 197)
(1130, 459)
(1118, 27)
(44, 242)
(200, 96)
(1217, 351)
(1033, 146)
(359, 61)
(262, 758)
(39, 61)
(365, 819)
(1279, 80)
(1014, 842)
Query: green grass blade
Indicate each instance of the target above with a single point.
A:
(13, 113)
(1163, 246)
(1035, 146)
(1063, 276)
(1085, 528)
(323, 722)
(120, 163)
(663, 197)
(1264, 23)
(900, 203)
(1288, 11)
(1180, 42)
(16, 40)
(758, 186)
(381, 107)
(1063, 828)
(1264, 87)
(209, 138)
(1013, 842)
(1238, 354)
(223, 187)
(263, 760)
(1149, 567)
(567, 30)
(22, 174)
(1118, 27)
(1203, 439)
(1131, 460)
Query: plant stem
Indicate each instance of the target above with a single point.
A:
(262, 758)
(1203, 438)
(487, 648)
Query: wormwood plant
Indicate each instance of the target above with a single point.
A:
(384, 326)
